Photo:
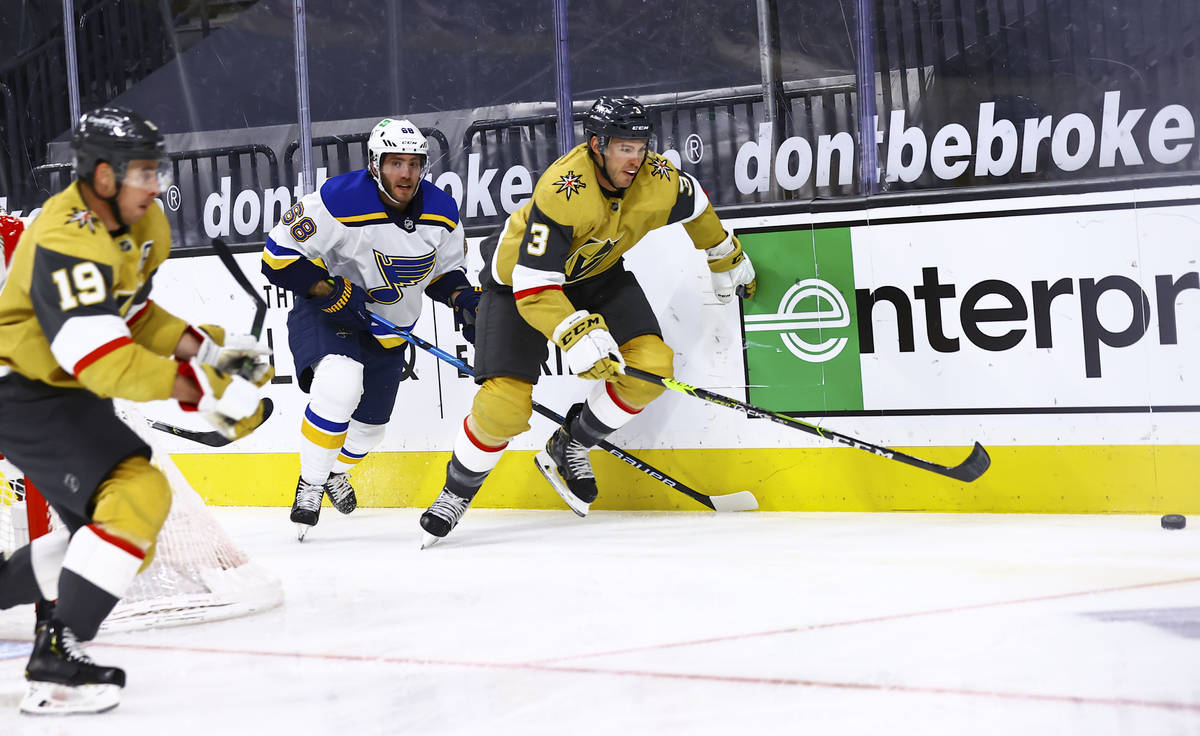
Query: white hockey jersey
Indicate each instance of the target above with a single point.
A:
(345, 230)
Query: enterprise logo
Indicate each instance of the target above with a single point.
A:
(831, 312)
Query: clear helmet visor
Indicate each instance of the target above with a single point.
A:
(149, 175)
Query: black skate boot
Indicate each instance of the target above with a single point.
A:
(341, 493)
(442, 516)
(306, 509)
(566, 466)
(64, 679)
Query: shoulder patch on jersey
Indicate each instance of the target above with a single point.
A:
(352, 198)
(437, 207)
(83, 218)
(659, 166)
(569, 183)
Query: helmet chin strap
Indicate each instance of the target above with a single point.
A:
(604, 168)
(384, 192)
(122, 228)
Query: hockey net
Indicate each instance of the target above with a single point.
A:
(198, 573)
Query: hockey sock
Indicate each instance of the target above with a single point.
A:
(33, 570)
(471, 462)
(360, 439)
(603, 413)
(334, 394)
(97, 570)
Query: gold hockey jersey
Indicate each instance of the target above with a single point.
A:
(572, 230)
(75, 312)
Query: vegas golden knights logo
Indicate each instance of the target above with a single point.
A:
(587, 258)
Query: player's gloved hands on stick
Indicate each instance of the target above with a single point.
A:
(230, 403)
(346, 304)
(466, 305)
(732, 272)
(590, 350)
(229, 352)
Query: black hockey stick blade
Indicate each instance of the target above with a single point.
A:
(974, 466)
(212, 437)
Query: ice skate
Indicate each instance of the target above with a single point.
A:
(306, 509)
(566, 466)
(442, 516)
(63, 679)
(341, 493)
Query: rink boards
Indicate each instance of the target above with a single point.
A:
(1062, 332)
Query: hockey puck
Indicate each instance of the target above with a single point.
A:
(1174, 521)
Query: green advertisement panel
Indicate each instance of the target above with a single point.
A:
(802, 327)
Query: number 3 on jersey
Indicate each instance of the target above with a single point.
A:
(538, 235)
(84, 285)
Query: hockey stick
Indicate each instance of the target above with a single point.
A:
(739, 501)
(214, 438)
(968, 470)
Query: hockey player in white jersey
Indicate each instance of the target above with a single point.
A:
(368, 241)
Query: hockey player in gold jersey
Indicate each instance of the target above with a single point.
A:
(77, 328)
(555, 272)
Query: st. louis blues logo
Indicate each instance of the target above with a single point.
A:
(399, 272)
(570, 183)
(660, 167)
(82, 218)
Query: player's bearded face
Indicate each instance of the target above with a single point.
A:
(623, 159)
(400, 174)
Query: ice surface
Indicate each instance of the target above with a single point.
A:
(538, 622)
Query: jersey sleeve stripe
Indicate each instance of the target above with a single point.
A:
(519, 295)
(525, 278)
(137, 312)
(88, 338)
(99, 353)
(277, 256)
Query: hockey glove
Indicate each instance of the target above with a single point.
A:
(230, 403)
(732, 272)
(590, 350)
(466, 305)
(228, 352)
(346, 304)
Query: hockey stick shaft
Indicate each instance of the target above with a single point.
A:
(740, 501)
(260, 304)
(968, 470)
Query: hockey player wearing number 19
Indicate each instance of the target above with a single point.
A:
(77, 328)
(555, 272)
(369, 241)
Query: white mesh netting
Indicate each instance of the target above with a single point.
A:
(198, 574)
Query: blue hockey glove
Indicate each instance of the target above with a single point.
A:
(466, 304)
(346, 304)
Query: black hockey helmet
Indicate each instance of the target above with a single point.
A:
(117, 136)
(620, 117)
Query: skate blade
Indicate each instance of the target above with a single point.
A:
(51, 698)
(428, 540)
(301, 530)
(550, 471)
